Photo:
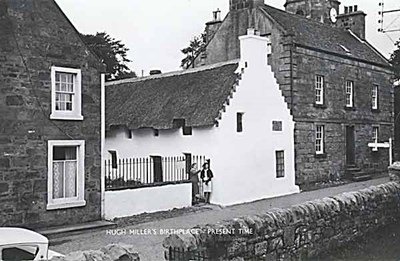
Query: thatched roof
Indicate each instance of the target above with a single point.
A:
(196, 95)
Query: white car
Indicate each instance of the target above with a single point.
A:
(18, 244)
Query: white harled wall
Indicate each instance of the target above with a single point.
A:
(243, 163)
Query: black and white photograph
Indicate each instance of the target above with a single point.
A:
(209, 130)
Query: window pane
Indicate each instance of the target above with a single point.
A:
(61, 102)
(70, 179)
(69, 78)
(58, 179)
(65, 168)
(239, 122)
(64, 153)
(63, 86)
(375, 97)
(276, 126)
(280, 164)
(319, 136)
(375, 134)
(68, 106)
(319, 86)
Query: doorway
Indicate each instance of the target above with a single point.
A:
(350, 146)
(158, 170)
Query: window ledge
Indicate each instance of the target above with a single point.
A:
(349, 108)
(66, 117)
(320, 106)
(72, 204)
(320, 156)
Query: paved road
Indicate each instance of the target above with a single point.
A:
(150, 246)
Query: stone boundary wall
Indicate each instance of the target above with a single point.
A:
(298, 232)
(113, 252)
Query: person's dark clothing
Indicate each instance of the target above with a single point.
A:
(209, 175)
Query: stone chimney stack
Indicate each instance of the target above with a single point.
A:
(213, 26)
(244, 4)
(352, 19)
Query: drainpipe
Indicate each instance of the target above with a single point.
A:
(103, 136)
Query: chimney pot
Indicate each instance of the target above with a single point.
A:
(350, 9)
(217, 15)
(355, 8)
(251, 31)
(346, 9)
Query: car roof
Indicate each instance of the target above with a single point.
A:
(11, 235)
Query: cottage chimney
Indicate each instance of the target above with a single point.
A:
(253, 49)
(213, 26)
(352, 19)
(244, 4)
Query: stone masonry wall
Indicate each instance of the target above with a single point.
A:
(35, 35)
(335, 117)
(297, 233)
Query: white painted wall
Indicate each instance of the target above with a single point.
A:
(243, 163)
(152, 199)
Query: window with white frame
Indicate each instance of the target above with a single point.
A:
(349, 93)
(375, 97)
(66, 102)
(319, 89)
(66, 174)
(319, 139)
(375, 134)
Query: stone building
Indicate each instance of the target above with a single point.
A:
(335, 83)
(50, 121)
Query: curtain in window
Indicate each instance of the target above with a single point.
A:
(64, 172)
(58, 173)
(70, 179)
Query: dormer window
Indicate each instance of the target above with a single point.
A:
(66, 94)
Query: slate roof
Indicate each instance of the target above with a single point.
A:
(324, 37)
(196, 95)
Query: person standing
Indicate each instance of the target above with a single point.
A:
(206, 178)
(194, 178)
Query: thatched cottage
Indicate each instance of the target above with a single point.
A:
(220, 112)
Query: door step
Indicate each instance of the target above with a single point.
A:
(63, 231)
(361, 177)
(356, 174)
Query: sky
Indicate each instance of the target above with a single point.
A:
(156, 30)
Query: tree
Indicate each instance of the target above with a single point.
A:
(395, 60)
(113, 54)
(196, 47)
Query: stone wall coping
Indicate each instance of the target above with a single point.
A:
(284, 226)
